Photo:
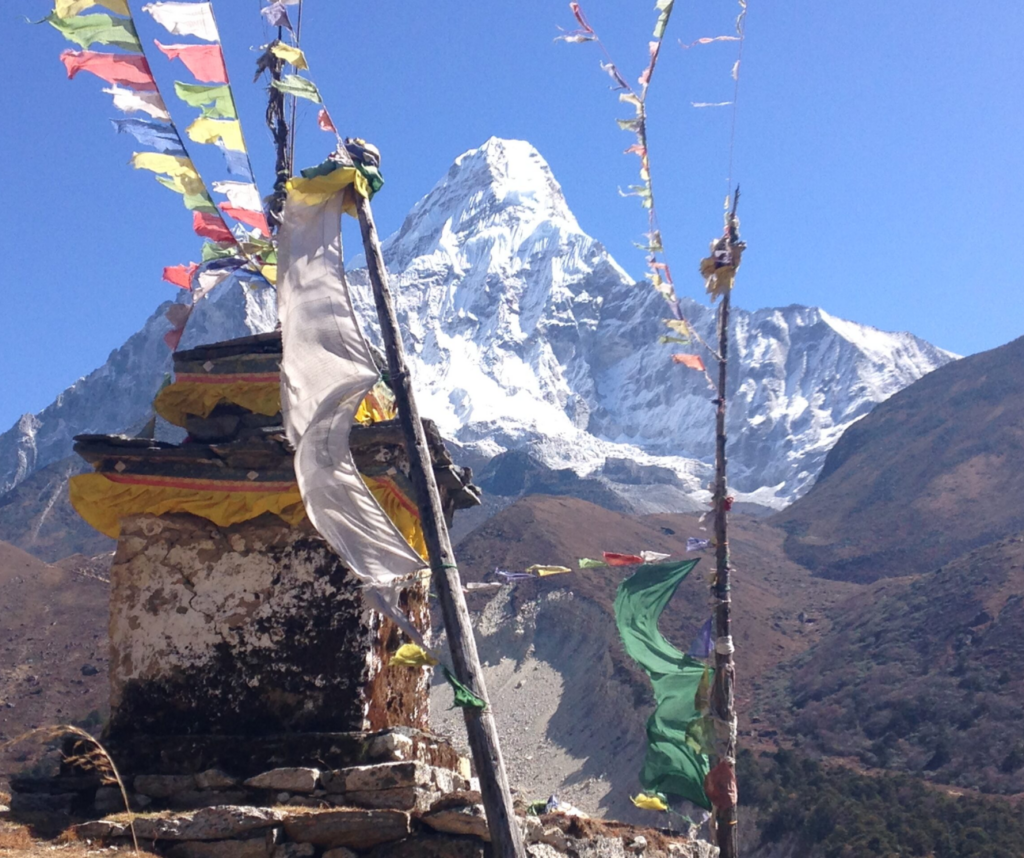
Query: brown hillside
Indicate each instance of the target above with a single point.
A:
(926, 674)
(928, 475)
(53, 647)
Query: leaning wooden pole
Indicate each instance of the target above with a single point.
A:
(723, 703)
(506, 838)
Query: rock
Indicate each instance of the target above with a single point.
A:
(295, 850)
(433, 847)
(208, 823)
(356, 829)
(109, 800)
(100, 829)
(215, 779)
(282, 797)
(465, 768)
(340, 852)
(42, 803)
(468, 819)
(89, 670)
(401, 798)
(254, 848)
(543, 850)
(391, 747)
(553, 836)
(286, 780)
(206, 798)
(163, 786)
(385, 776)
(637, 844)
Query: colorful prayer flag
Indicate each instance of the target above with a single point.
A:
(702, 644)
(131, 70)
(653, 556)
(622, 559)
(130, 101)
(691, 361)
(542, 571)
(276, 15)
(411, 655)
(176, 166)
(587, 563)
(695, 544)
(243, 195)
(206, 62)
(211, 226)
(289, 54)
(649, 802)
(70, 8)
(181, 275)
(323, 119)
(236, 162)
(161, 136)
(226, 131)
(255, 219)
(215, 101)
(101, 29)
(293, 84)
(185, 19)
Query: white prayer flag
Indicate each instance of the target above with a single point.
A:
(241, 195)
(131, 101)
(185, 19)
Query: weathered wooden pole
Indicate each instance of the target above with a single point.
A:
(506, 838)
(279, 129)
(723, 704)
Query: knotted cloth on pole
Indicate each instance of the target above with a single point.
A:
(326, 371)
(671, 765)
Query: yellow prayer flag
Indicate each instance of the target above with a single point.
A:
(207, 130)
(410, 655)
(319, 189)
(270, 273)
(70, 8)
(290, 55)
(649, 802)
(170, 165)
(548, 570)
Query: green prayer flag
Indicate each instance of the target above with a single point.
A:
(86, 30)
(216, 101)
(293, 84)
(587, 563)
(672, 764)
(213, 250)
(197, 202)
(464, 698)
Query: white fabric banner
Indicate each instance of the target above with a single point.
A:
(185, 19)
(326, 370)
(241, 195)
(131, 101)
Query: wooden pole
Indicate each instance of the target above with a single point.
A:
(279, 129)
(506, 838)
(723, 704)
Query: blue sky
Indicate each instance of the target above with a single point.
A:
(878, 145)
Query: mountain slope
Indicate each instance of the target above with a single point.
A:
(931, 473)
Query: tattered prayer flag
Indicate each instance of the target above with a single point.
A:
(181, 275)
(707, 40)
(653, 556)
(131, 70)
(211, 250)
(537, 569)
(194, 201)
(243, 195)
(649, 802)
(236, 162)
(587, 563)
(710, 103)
(276, 15)
(161, 136)
(211, 226)
(99, 29)
(464, 697)
(212, 274)
(691, 361)
(693, 543)
(411, 655)
(170, 165)
(227, 131)
(185, 19)
(255, 219)
(482, 586)
(702, 644)
(130, 101)
(177, 315)
(622, 559)
(323, 119)
(70, 8)
(206, 62)
(289, 54)
(513, 576)
(293, 84)
(215, 101)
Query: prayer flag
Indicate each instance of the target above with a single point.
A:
(323, 119)
(537, 569)
(671, 764)
(653, 556)
(695, 544)
(513, 576)
(411, 655)
(622, 559)
(702, 644)
(181, 275)
(243, 195)
(170, 165)
(464, 697)
(587, 563)
(211, 250)
(255, 219)
(276, 15)
(649, 802)
(132, 70)
(237, 162)
(159, 135)
(100, 29)
(185, 19)
(211, 226)
(70, 8)
(215, 101)
(226, 131)
(139, 102)
(289, 54)
(293, 84)
(691, 361)
(206, 62)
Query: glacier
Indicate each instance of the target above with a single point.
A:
(524, 334)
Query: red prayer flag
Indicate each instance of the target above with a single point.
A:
(692, 361)
(206, 62)
(622, 559)
(257, 220)
(131, 70)
(181, 275)
(211, 226)
(323, 119)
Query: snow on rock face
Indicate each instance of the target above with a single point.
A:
(523, 333)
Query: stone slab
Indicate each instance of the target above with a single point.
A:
(215, 779)
(293, 779)
(163, 786)
(384, 776)
(208, 823)
(253, 848)
(399, 798)
(467, 819)
(354, 829)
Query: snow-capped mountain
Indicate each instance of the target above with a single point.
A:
(524, 333)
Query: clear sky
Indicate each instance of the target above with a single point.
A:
(878, 143)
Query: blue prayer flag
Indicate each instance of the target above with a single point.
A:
(158, 135)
